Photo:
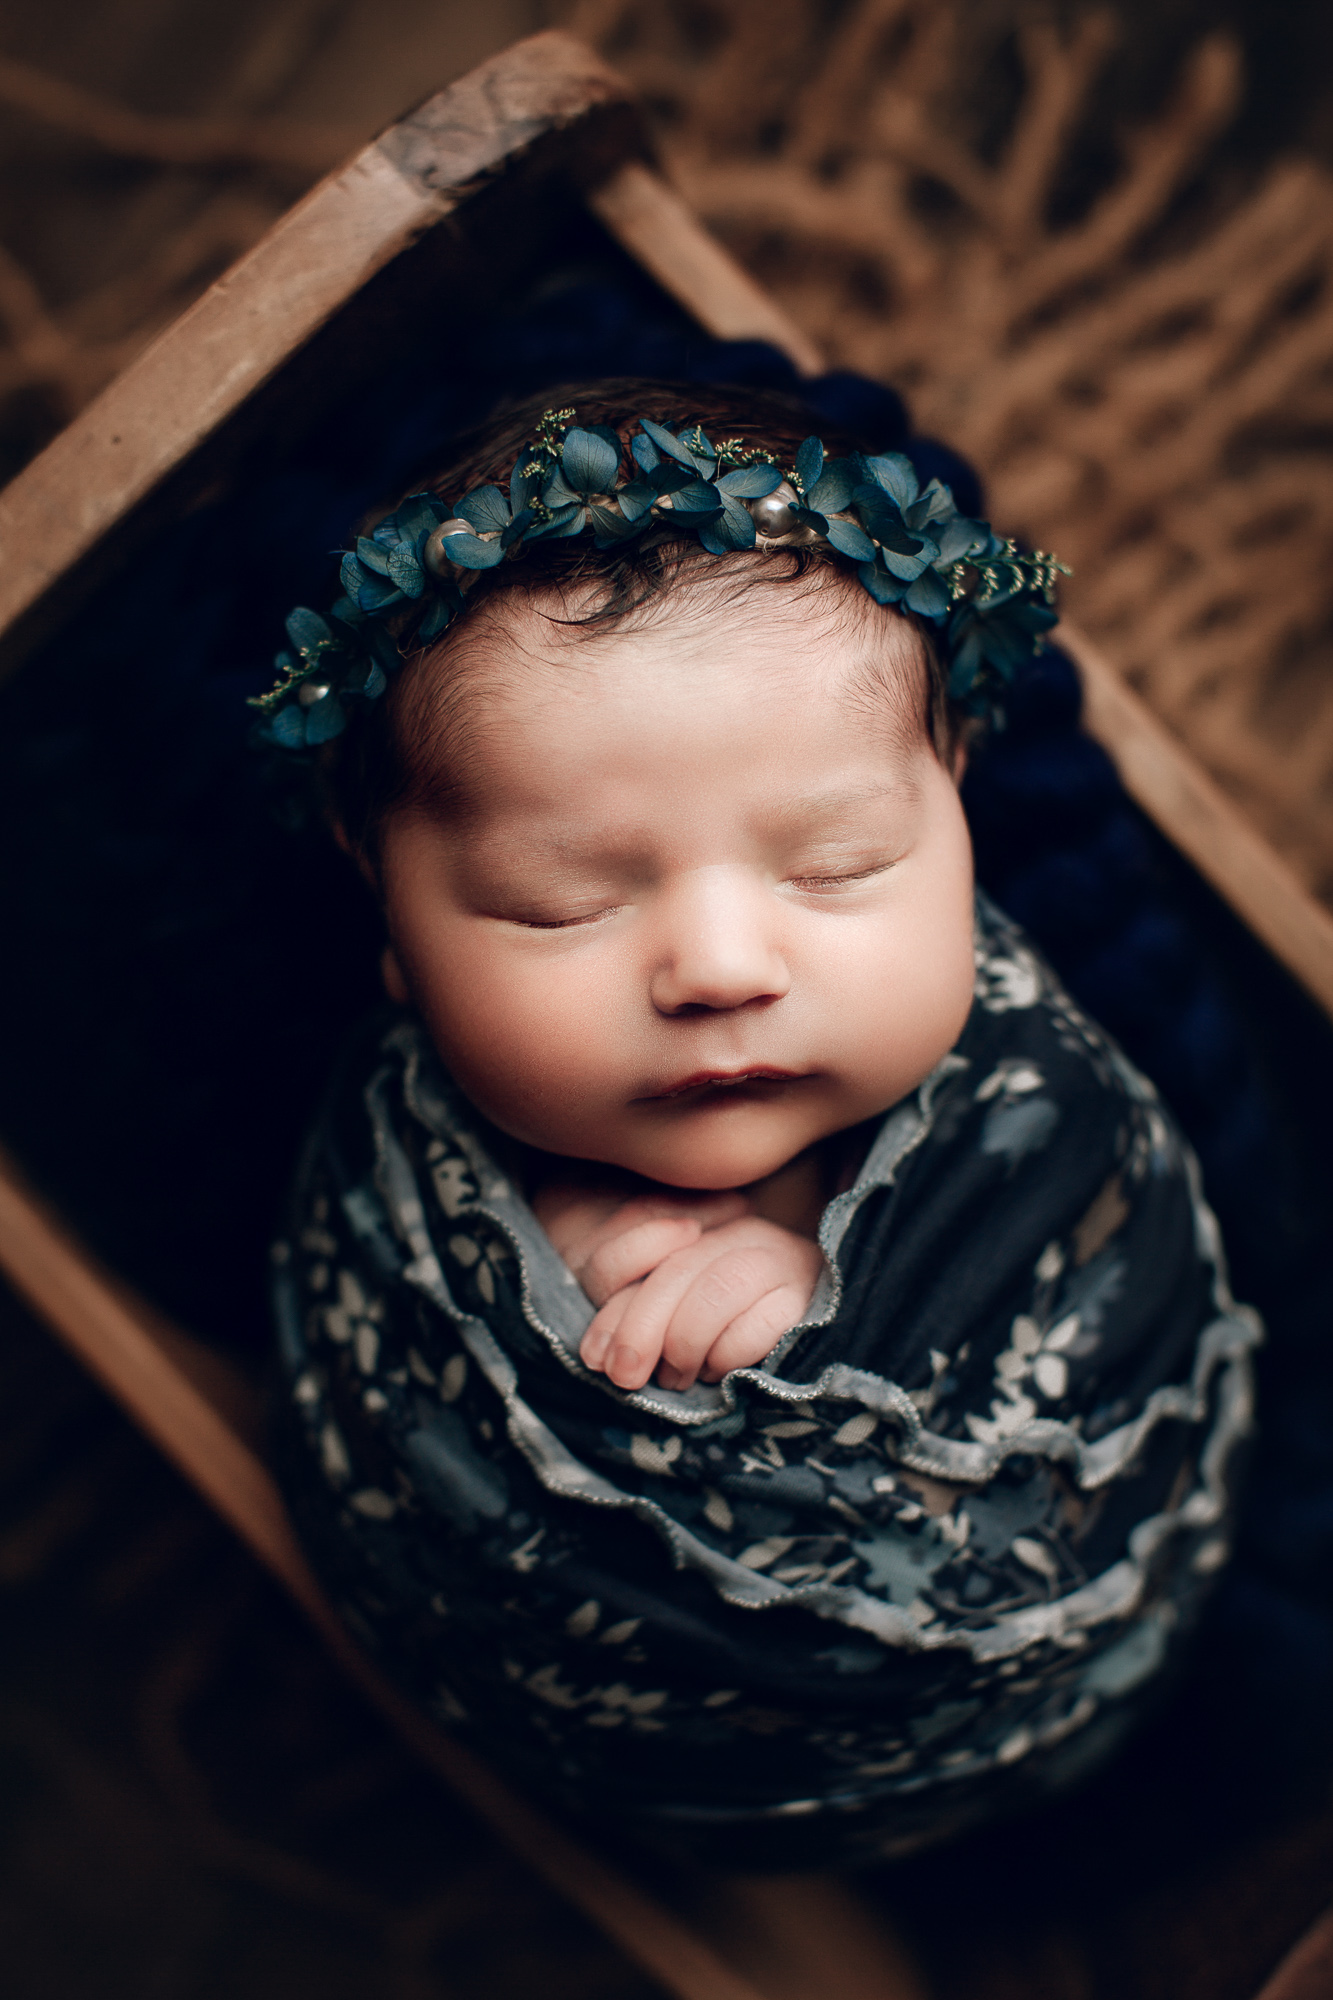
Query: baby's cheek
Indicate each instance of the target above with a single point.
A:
(533, 1046)
(896, 1014)
(519, 1077)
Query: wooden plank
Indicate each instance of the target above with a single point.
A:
(1196, 815)
(315, 258)
(114, 1337)
(1306, 1973)
(118, 1340)
(802, 1937)
(650, 219)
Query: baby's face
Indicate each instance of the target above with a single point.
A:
(704, 907)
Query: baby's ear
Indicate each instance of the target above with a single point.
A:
(356, 855)
(959, 761)
(391, 972)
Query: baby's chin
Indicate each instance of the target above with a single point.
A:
(713, 1161)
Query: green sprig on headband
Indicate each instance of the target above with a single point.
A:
(990, 605)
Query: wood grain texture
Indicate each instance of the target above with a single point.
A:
(114, 1336)
(1197, 816)
(544, 84)
(652, 222)
(1306, 1973)
(201, 369)
(314, 259)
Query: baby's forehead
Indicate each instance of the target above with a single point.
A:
(818, 628)
(530, 662)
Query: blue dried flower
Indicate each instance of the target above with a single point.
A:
(990, 604)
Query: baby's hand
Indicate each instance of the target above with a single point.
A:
(719, 1303)
(694, 1282)
(609, 1242)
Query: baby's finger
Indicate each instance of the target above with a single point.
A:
(619, 1260)
(637, 1346)
(602, 1327)
(577, 1219)
(729, 1288)
(596, 1227)
(753, 1335)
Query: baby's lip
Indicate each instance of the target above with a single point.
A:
(724, 1079)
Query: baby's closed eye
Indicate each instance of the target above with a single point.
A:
(842, 864)
(840, 878)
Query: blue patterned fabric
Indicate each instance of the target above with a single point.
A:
(935, 1549)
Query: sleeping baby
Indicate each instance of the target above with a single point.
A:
(758, 1358)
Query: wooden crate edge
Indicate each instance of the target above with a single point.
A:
(201, 369)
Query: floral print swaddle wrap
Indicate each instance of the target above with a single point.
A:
(932, 1554)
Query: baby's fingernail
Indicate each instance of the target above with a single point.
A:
(623, 1368)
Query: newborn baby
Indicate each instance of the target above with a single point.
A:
(733, 1217)
(696, 907)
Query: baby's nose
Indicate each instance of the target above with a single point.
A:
(718, 948)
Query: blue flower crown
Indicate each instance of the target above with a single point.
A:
(990, 604)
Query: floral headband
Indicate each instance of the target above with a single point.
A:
(989, 603)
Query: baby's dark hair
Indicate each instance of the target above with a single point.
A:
(375, 766)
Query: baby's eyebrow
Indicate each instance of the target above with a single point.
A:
(794, 816)
(829, 807)
(574, 847)
(799, 812)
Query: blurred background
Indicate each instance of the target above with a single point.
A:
(1093, 249)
